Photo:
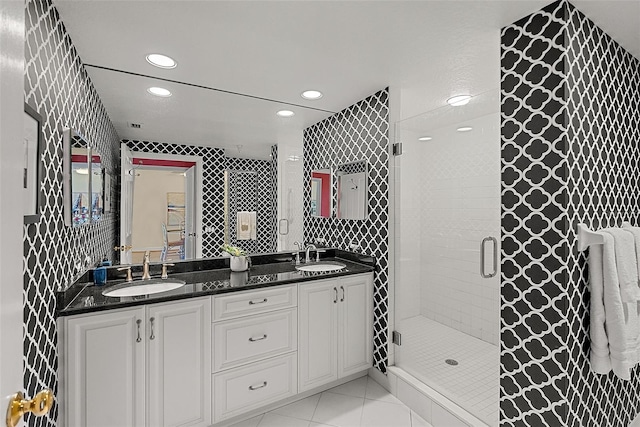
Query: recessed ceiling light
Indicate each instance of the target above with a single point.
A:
(285, 113)
(459, 100)
(425, 138)
(162, 61)
(159, 91)
(311, 94)
(464, 129)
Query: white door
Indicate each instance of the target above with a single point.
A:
(190, 231)
(179, 360)
(317, 334)
(11, 219)
(355, 324)
(126, 203)
(105, 369)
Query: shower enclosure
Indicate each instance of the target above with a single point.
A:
(447, 278)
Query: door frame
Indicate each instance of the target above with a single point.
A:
(198, 160)
(12, 63)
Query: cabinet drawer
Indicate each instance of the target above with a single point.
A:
(252, 338)
(253, 302)
(242, 389)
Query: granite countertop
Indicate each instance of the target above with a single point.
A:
(205, 277)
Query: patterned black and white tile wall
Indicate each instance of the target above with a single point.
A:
(570, 154)
(214, 164)
(57, 85)
(359, 132)
(603, 96)
(252, 188)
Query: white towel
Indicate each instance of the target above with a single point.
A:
(245, 225)
(626, 263)
(635, 231)
(613, 325)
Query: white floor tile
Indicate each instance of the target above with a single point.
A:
(319, 425)
(376, 392)
(355, 388)
(251, 422)
(376, 413)
(275, 420)
(302, 409)
(339, 410)
(418, 421)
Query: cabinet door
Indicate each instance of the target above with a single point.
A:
(179, 359)
(105, 369)
(355, 324)
(317, 334)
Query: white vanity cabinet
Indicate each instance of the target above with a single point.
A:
(144, 366)
(335, 329)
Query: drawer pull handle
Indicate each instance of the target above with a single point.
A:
(257, 302)
(342, 289)
(264, 337)
(335, 297)
(256, 387)
(138, 323)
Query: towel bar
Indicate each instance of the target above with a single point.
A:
(587, 238)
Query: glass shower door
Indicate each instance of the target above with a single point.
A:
(447, 267)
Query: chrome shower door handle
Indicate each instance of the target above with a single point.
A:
(483, 273)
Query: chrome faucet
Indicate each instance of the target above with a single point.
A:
(145, 267)
(310, 246)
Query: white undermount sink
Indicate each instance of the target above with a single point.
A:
(143, 287)
(322, 267)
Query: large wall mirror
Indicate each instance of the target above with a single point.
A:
(82, 186)
(353, 191)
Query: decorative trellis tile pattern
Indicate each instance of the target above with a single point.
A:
(534, 326)
(253, 193)
(570, 132)
(359, 132)
(603, 190)
(273, 177)
(57, 85)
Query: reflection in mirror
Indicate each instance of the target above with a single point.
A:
(321, 200)
(77, 180)
(352, 190)
(97, 187)
(241, 206)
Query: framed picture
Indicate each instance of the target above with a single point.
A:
(31, 165)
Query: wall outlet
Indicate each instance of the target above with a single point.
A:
(208, 229)
(320, 240)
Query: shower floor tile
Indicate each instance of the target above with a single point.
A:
(474, 383)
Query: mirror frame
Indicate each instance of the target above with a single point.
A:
(339, 175)
(34, 217)
(67, 185)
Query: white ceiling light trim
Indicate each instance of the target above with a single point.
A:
(464, 129)
(311, 94)
(459, 100)
(159, 91)
(285, 113)
(161, 61)
(425, 138)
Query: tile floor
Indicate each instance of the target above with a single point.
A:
(359, 403)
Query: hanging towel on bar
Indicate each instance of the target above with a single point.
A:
(246, 225)
(612, 326)
(626, 264)
(635, 231)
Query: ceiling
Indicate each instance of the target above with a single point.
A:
(271, 51)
